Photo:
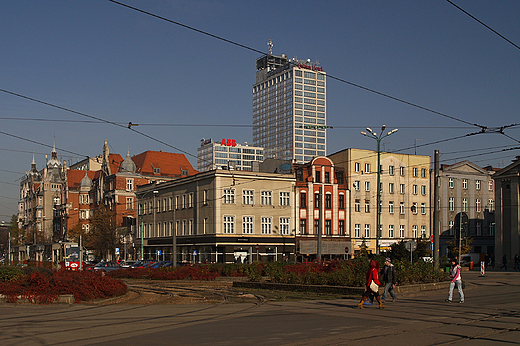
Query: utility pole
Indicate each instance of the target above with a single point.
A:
(318, 252)
(436, 212)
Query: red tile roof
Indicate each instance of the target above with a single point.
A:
(74, 177)
(170, 164)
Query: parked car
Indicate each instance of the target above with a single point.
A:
(105, 267)
(162, 264)
(127, 263)
(142, 263)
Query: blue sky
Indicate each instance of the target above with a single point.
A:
(113, 63)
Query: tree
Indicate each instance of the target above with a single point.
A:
(17, 234)
(454, 246)
(103, 237)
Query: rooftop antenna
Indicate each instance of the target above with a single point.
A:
(270, 45)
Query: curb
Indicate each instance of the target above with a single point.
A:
(62, 299)
(354, 291)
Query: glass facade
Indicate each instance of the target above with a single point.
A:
(213, 155)
(289, 111)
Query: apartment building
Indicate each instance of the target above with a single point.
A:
(405, 197)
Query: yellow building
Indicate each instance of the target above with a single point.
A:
(405, 197)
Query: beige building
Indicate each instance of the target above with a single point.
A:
(219, 216)
(405, 196)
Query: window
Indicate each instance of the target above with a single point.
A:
(340, 177)
(451, 204)
(185, 227)
(450, 183)
(401, 231)
(267, 225)
(477, 184)
(303, 200)
(478, 205)
(129, 203)
(367, 186)
(284, 225)
(247, 197)
(191, 230)
(328, 227)
(415, 172)
(423, 190)
(464, 204)
(177, 227)
(357, 205)
(423, 208)
(367, 230)
(423, 172)
(423, 231)
(490, 186)
(316, 201)
(341, 201)
(391, 207)
(284, 198)
(229, 196)
(391, 187)
(402, 171)
(452, 227)
(247, 224)
(184, 204)
(390, 231)
(303, 226)
(316, 226)
(491, 228)
(491, 204)
(229, 224)
(327, 177)
(402, 189)
(357, 230)
(391, 170)
(328, 201)
(414, 207)
(367, 206)
(414, 189)
(341, 227)
(414, 231)
(465, 184)
(190, 200)
(478, 227)
(367, 167)
(318, 176)
(170, 203)
(267, 197)
(205, 197)
(129, 184)
(158, 202)
(401, 208)
(357, 185)
(177, 203)
(357, 167)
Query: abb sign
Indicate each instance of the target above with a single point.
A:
(229, 142)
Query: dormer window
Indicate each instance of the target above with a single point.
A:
(156, 170)
(184, 172)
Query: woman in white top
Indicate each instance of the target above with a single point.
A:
(456, 281)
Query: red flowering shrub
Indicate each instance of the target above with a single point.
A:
(202, 272)
(41, 287)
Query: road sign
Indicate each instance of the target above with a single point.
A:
(410, 245)
(346, 249)
(158, 252)
(117, 251)
(431, 238)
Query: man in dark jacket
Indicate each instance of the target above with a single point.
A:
(389, 276)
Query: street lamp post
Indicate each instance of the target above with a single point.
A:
(378, 137)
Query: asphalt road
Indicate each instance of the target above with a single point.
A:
(490, 315)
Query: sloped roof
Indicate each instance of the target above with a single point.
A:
(169, 164)
(74, 177)
(464, 166)
(115, 160)
(513, 170)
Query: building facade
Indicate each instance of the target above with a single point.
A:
(289, 108)
(405, 197)
(227, 154)
(219, 216)
(467, 188)
(322, 210)
(507, 214)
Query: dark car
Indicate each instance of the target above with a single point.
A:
(162, 264)
(142, 263)
(105, 266)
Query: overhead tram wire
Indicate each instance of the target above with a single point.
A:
(483, 128)
(484, 24)
(84, 115)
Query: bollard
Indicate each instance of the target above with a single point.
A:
(482, 268)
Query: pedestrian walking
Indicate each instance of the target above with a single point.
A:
(517, 262)
(389, 275)
(456, 281)
(504, 262)
(372, 276)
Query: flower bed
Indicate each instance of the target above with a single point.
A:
(46, 286)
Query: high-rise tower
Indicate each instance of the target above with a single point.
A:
(289, 108)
